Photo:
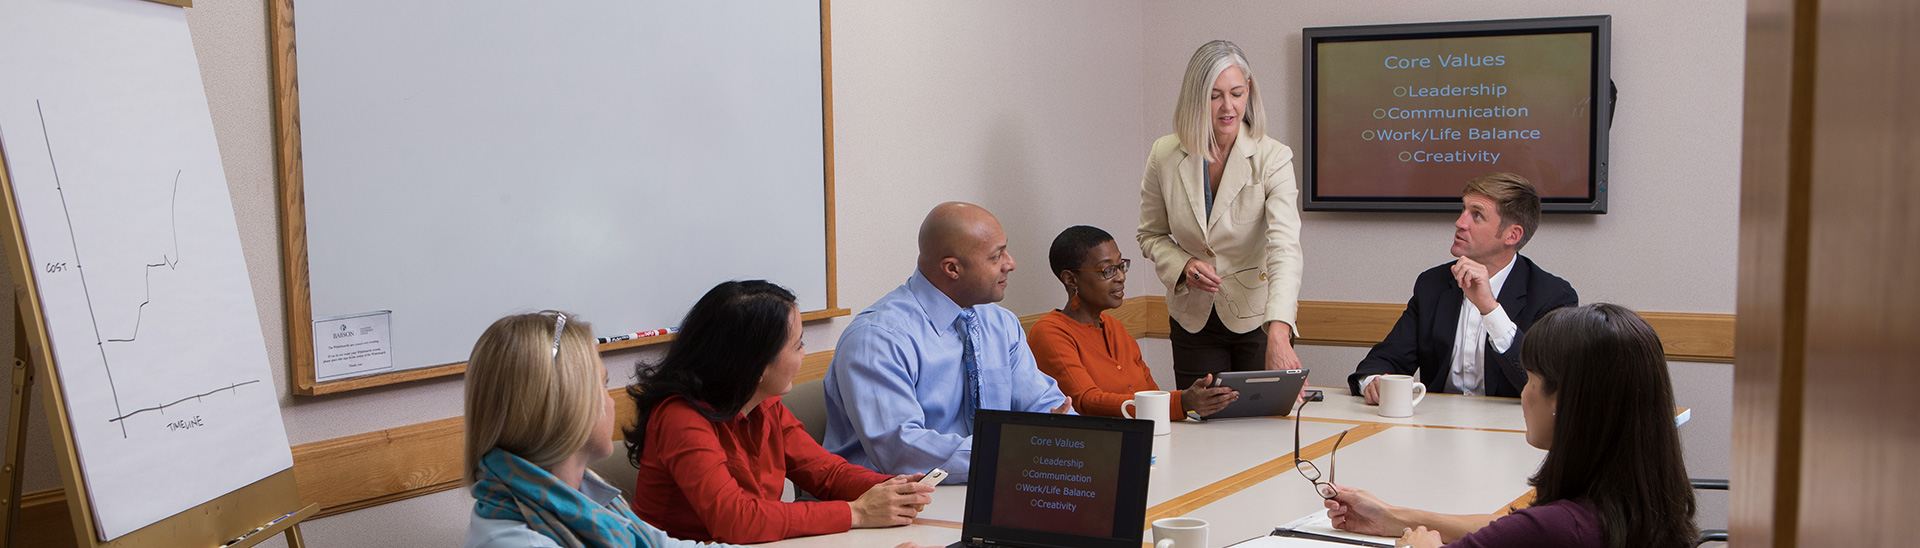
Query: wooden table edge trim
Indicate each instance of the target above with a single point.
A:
(939, 523)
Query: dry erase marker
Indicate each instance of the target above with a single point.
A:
(640, 335)
(257, 530)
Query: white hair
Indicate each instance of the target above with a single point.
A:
(1192, 115)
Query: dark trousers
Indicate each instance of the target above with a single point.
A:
(1214, 349)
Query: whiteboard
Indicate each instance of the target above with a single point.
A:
(130, 228)
(615, 159)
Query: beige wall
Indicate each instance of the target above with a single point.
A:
(1669, 241)
(1675, 148)
(1042, 112)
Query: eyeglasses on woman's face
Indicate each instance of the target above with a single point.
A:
(1109, 271)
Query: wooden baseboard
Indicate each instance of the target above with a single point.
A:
(367, 470)
(44, 520)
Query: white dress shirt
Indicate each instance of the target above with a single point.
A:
(1475, 333)
(1470, 339)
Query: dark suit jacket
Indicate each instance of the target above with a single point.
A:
(1423, 338)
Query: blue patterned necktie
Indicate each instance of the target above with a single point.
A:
(967, 325)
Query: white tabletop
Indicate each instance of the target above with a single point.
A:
(928, 535)
(1457, 454)
(1451, 410)
(1440, 469)
(1194, 455)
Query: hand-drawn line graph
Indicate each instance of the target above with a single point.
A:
(170, 262)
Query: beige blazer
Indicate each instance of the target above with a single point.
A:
(1252, 239)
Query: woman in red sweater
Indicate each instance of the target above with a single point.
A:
(714, 443)
(1088, 352)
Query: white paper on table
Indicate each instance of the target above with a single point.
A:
(352, 346)
(1318, 523)
(1284, 542)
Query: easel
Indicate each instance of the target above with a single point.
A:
(239, 519)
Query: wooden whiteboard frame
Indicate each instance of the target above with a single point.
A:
(293, 214)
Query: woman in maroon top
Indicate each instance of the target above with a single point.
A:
(714, 443)
(1598, 400)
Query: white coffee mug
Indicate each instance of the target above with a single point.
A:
(1179, 533)
(1398, 395)
(1150, 404)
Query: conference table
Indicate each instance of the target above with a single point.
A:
(1456, 454)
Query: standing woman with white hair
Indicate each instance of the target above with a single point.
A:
(1218, 220)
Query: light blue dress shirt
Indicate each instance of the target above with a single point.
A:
(507, 533)
(897, 390)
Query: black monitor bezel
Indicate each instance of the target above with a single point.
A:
(1136, 450)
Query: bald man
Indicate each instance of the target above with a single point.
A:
(910, 370)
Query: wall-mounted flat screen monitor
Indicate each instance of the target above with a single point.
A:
(1400, 117)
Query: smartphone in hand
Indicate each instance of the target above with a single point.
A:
(934, 476)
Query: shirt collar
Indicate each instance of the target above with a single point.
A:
(598, 490)
(1242, 144)
(940, 309)
(1499, 280)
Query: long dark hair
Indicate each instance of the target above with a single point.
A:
(1614, 440)
(724, 345)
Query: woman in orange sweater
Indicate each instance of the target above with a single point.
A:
(1088, 352)
(714, 443)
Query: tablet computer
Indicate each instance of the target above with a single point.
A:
(1262, 393)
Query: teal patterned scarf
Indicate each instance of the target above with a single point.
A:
(511, 488)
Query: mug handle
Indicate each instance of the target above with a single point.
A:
(1419, 393)
(1164, 543)
(1126, 409)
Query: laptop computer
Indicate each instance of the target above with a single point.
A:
(1040, 480)
(1262, 393)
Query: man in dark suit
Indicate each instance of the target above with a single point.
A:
(1455, 333)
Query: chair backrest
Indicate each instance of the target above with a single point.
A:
(808, 402)
(617, 471)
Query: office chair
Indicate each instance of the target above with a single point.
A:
(1709, 535)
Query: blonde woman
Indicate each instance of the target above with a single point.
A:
(537, 414)
(1217, 218)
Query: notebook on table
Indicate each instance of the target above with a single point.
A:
(1040, 480)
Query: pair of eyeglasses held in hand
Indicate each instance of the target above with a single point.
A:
(1306, 467)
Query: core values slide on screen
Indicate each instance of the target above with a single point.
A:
(1056, 479)
(1399, 118)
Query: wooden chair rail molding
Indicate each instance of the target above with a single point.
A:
(366, 470)
(1687, 337)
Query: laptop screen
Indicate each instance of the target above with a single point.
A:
(1040, 479)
